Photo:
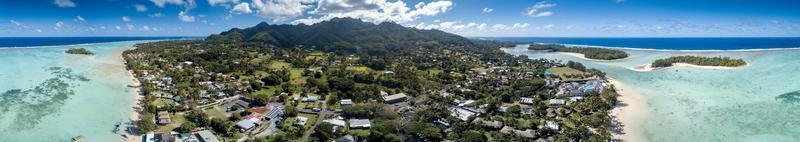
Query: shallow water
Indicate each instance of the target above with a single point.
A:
(692, 104)
(48, 95)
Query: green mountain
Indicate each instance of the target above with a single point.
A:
(346, 31)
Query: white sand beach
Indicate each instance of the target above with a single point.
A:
(629, 113)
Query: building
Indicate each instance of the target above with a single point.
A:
(346, 138)
(163, 118)
(396, 98)
(526, 100)
(310, 99)
(359, 123)
(335, 122)
(552, 125)
(528, 133)
(557, 102)
(461, 114)
(165, 137)
(245, 124)
(206, 136)
(275, 111)
(301, 121)
(346, 102)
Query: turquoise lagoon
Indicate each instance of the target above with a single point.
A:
(753, 103)
(48, 95)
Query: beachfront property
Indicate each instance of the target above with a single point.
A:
(163, 118)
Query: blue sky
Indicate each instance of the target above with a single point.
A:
(552, 18)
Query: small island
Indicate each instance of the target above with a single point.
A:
(81, 51)
(699, 61)
(588, 52)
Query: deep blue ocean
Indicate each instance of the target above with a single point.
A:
(10, 42)
(727, 43)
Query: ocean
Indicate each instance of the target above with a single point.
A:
(710, 43)
(6, 42)
(48, 95)
(695, 104)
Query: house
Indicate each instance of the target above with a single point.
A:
(346, 102)
(527, 111)
(396, 98)
(163, 118)
(165, 137)
(346, 138)
(310, 99)
(245, 124)
(359, 123)
(460, 113)
(275, 111)
(526, 100)
(528, 133)
(206, 136)
(557, 102)
(488, 124)
(301, 121)
(240, 103)
(335, 122)
(552, 125)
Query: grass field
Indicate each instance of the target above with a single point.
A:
(280, 64)
(359, 68)
(561, 71)
(176, 121)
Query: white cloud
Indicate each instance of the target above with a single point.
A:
(79, 19)
(117, 27)
(64, 3)
(497, 27)
(185, 18)
(619, 1)
(519, 26)
(187, 4)
(126, 19)
(155, 29)
(375, 10)
(39, 30)
(487, 10)
(279, 10)
(130, 26)
(16, 23)
(534, 11)
(548, 26)
(59, 24)
(140, 7)
(241, 8)
(146, 28)
(215, 2)
(156, 15)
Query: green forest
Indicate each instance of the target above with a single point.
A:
(698, 60)
(81, 51)
(588, 52)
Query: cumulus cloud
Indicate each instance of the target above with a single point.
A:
(16, 23)
(280, 10)
(140, 7)
(59, 24)
(536, 9)
(117, 27)
(375, 10)
(185, 17)
(487, 10)
(548, 26)
(520, 26)
(241, 8)
(130, 26)
(215, 2)
(79, 19)
(187, 4)
(156, 15)
(64, 3)
(126, 19)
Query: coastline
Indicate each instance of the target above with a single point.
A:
(130, 135)
(648, 68)
(579, 55)
(629, 113)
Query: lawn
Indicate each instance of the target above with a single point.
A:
(216, 112)
(280, 64)
(309, 127)
(162, 102)
(358, 68)
(561, 71)
(176, 121)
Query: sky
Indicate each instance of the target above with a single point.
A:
(473, 18)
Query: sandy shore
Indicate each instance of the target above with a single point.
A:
(648, 68)
(138, 96)
(629, 113)
(579, 55)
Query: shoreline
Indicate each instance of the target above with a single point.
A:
(135, 85)
(648, 68)
(579, 55)
(628, 114)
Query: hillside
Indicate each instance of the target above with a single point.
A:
(340, 31)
